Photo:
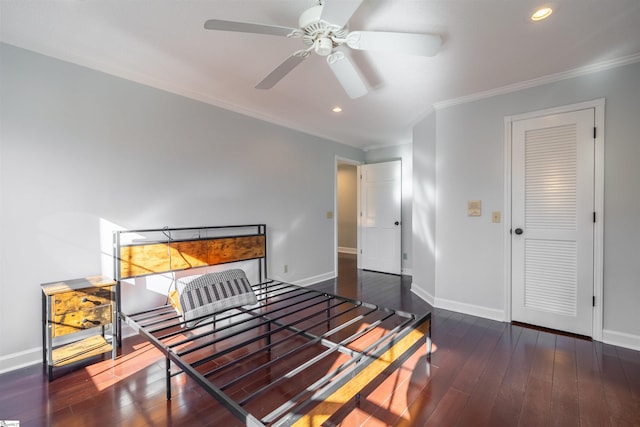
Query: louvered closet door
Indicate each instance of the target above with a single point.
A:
(552, 221)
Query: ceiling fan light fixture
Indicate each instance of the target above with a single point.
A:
(541, 13)
(324, 46)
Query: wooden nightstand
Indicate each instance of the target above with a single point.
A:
(75, 306)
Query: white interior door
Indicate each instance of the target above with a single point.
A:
(552, 221)
(380, 216)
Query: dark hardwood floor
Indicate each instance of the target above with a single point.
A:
(482, 373)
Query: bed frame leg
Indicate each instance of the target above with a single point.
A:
(328, 311)
(268, 339)
(168, 377)
(428, 358)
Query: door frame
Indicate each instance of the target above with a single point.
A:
(598, 236)
(337, 160)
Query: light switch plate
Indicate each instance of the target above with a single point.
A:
(495, 217)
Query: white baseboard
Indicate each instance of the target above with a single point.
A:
(471, 309)
(422, 294)
(21, 359)
(345, 250)
(621, 339)
(315, 279)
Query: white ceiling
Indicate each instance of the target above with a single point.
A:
(490, 46)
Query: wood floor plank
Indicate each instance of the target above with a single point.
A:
(452, 354)
(631, 367)
(509, 399)
(617, 389)
(448, 410)
(470, 373)
(564, 394)
(478, 409)
(591, 397)
(536, 405)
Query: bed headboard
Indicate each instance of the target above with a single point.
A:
(155, 251)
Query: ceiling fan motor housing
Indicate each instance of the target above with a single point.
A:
(318, 33)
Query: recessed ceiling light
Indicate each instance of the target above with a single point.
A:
(541, 13)
(336, 109)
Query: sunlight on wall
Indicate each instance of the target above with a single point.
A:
(424, 199)
(278, 244)
(106, 246)
(143, 292)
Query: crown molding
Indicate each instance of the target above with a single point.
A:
(552, 78)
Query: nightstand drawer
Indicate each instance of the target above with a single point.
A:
(81, 299)
(75, 321)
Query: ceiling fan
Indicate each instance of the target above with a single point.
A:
(323, 29)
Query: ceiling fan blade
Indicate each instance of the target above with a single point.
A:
(408, 43)
(338, 12)
(247, 27)
(346, 74)
(283, 69)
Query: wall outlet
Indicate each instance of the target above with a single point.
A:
(495, 217)
(405, 256)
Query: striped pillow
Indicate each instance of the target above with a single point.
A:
(207, 294)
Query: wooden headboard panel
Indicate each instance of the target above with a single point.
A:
(155, 256)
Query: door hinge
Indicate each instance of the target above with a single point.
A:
(594, 132)
(593, 301)
(594, 217)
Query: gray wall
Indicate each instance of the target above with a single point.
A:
(83, 153)
(469, 148)
(424, 208)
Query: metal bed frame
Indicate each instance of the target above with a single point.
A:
(295, 358)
